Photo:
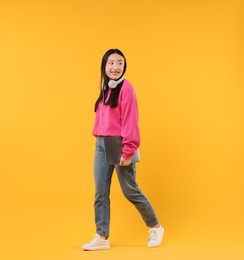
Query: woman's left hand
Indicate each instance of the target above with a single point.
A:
(124, 162)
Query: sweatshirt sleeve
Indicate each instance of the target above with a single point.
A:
(129, 122)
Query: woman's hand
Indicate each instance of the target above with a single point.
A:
(124, 162)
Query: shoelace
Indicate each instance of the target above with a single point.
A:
(95, 238)
(153, 233)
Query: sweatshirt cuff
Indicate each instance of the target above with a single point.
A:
(126, 156)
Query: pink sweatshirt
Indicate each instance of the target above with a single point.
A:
(121, 120)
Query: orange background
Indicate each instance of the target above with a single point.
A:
(185, 60)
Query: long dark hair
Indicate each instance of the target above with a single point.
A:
(113, 99)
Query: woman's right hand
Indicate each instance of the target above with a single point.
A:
(124, 162)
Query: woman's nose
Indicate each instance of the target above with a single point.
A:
(115, 67)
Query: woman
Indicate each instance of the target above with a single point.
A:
(117, 133)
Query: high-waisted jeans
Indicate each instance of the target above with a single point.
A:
(127, 179)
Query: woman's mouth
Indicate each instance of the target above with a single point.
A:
(115, 73)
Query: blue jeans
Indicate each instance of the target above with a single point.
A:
(127, 179)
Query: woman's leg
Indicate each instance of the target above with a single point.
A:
(127, 179)
(102, 175)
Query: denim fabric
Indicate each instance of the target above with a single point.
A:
(127, 179)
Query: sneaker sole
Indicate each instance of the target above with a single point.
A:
(95, 248)
(156, 245)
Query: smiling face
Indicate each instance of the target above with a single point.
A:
(115, 66)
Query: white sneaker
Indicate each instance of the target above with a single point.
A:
(97, 244)
(155, 236)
